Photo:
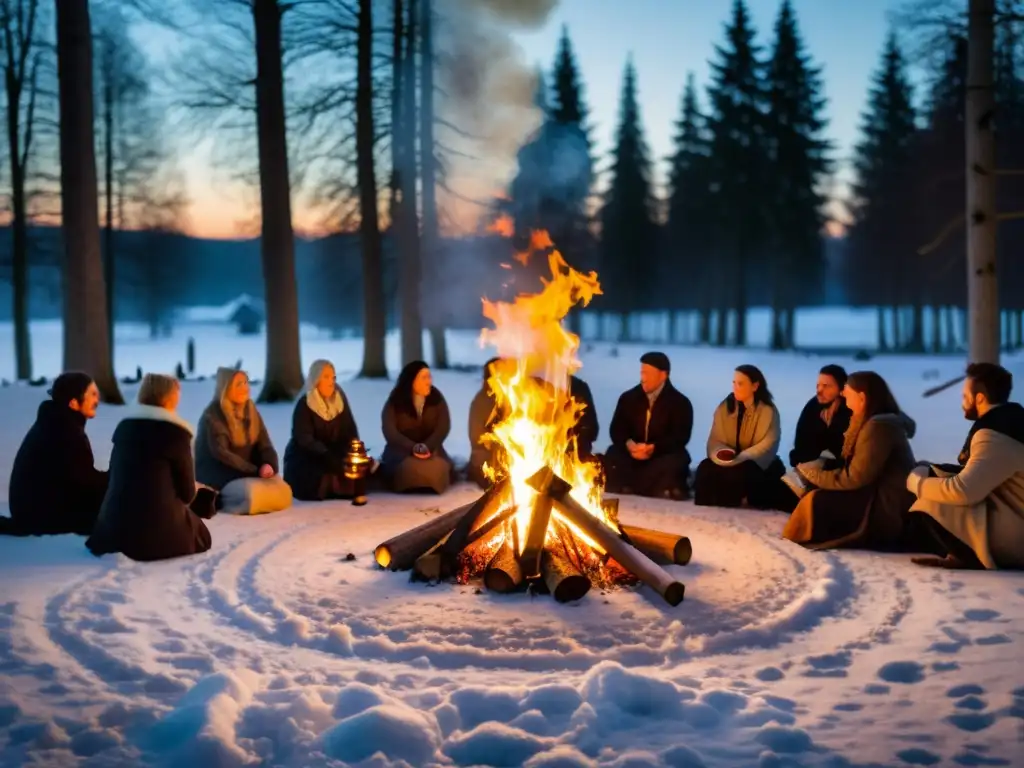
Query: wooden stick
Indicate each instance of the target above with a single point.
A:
(503, 573)
(430, 566)
(628, 556)
(663, 548)
(400, 553)
(944, 386)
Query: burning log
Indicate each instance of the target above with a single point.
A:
(400, 552)
(562, 577)
(536, 534)
(430, 565)
(622, 551)
(503, 573)
(662, 548)
(477, 514)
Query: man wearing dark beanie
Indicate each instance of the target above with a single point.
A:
(55, 487)
(824, 420)
(650, 430)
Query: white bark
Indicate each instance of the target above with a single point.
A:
(982, 220)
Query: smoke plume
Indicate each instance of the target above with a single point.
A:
(488, 88)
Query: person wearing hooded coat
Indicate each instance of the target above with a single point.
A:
(861, 500)
(650, 431)
(147, 514)
(323, 427)
(55, 487)
(234, 453)
(415, 421)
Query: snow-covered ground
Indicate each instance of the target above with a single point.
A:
(276, 649)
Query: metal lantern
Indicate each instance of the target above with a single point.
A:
(357, 463)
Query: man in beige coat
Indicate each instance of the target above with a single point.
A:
(980, 505)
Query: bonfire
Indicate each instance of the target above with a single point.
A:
(543, 524)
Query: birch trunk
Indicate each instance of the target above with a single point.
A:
(982, 287)
(86, 341)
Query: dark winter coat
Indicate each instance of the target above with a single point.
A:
(316, 448)
(218, 459)
(146, 513)
(587, 428)
(864, 502)
(404, 429)
(813, 435)
(54, 487)
(670, 425)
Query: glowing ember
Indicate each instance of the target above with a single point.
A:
(531, 386)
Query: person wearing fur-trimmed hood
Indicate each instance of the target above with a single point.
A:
(234, 453)
(146, 513)
(323, 427)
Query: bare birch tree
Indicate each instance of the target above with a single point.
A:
(23, 49)
(86, 340)
(982, 220)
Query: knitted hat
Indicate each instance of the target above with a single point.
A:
(657, 360)
(69, 386)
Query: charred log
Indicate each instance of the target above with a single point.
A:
(400, 553)
(503, 573)
(623, 552)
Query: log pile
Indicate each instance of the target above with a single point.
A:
(566, 549)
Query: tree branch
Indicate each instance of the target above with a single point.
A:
(952, 226)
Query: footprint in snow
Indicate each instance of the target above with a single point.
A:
(906, 672)
(981, 614)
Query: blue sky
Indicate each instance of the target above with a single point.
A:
(668, 38)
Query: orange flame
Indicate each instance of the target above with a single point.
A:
(531, 385)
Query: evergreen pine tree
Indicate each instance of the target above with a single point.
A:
(569, 111)
(628, 230)
(737, 161)
(688, 235)
(798, 153)
(881, 243)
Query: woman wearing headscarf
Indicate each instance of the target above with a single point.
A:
(234, 453)
(148, 512)
(323, 427)
(415, 421)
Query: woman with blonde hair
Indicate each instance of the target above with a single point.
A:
(146, 512)
(323, 428)
(234, 453)
(861, 499)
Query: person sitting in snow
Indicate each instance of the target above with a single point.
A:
(823, 421)
(742, 464)
(323, 428)
(415, 421)
(975, 512)
(55, 487)
(650, 431)
(483, 415)
(146, 514)
(234, 454)
(859, 500)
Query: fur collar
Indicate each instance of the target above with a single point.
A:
(156, 413)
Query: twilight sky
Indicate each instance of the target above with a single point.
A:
(667, 39)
